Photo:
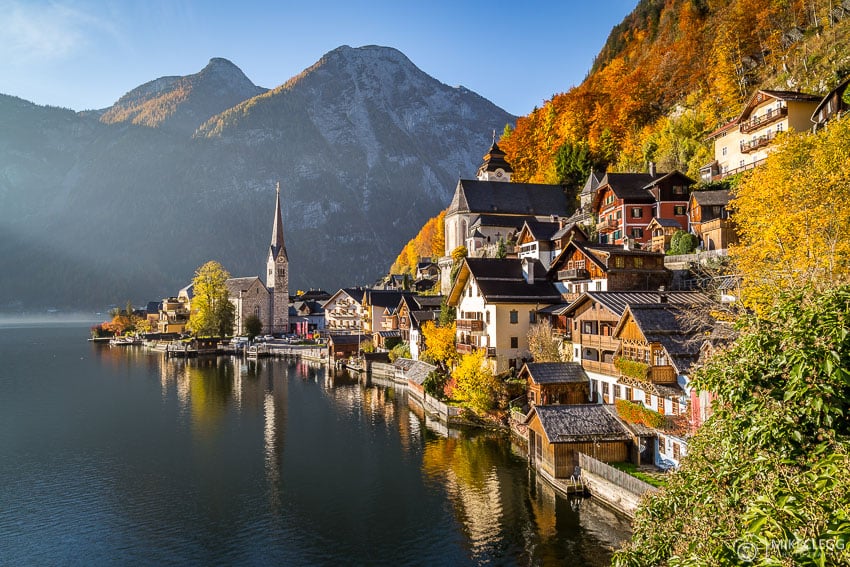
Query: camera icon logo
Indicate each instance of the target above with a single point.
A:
(747, 551)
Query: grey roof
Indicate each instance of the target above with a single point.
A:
(568, 226)
(575, 423)
(708, 198)
(384, 297)
(670, 326)
(499, 221)
(665, 222)
(389, 334)
(499, 197)
(543, 230)
(414, 370)
(501, 281)
(555, 372)
(348, 339)
(792, 95)
(630, 187)
(592, 183)
(495, 159)
(235, 285)
(419, 317)
(617, 301)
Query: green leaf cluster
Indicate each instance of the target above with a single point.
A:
(769, 472)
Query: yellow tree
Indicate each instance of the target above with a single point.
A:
(792, 216)
(212, 313)
(440, 343)
(474, 383)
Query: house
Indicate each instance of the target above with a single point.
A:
(709, 219)
(544, 240)
(249, 298)
(490, 208)
(379, 307)
(344, 310)
(412, 312)
(496, 302)
(173, 315)
(345, 345)
(557, 434)
(833, 106)
(744, 142)
(661, 232)
(626, 202)
(593, 319)
(306, 317)
(426, 269)
(588, 192)
(583, 266)
(556, 383)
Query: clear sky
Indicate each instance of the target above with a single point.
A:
(85, 54)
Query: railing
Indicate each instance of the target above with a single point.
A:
(606, 224)
(662, 374)
(573, 274)
(466, 349)
(600, 341)
(470, 325)
(769, 117)
(600, 367)
(756, 143)
(614, 476)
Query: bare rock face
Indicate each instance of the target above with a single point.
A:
(99, 207)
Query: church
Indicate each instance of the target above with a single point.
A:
(270, 301)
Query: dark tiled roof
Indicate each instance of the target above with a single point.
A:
(792, 96)
(665, 222)
(708, 198)
(414, 370)
(348, 340)
(495, 159)
(555, 372)
(680, 335)
(575, 423)
(630, 187)
(592, 182)
(384, 297)
(617, 301)
(419, 317)
(543, 230)
(499, 221)
(501, 281)
(499, 197)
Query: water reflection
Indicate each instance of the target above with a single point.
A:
(360, 472)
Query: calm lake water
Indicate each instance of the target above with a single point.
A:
(119, 456)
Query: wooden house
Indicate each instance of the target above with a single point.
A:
(379, 307)
(708, 219)
(661, 231)
(557, 434)
(345, 345)
(833, 106)
(556, 383)
(583, 266)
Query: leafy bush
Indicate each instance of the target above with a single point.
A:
(631, 368)
(636, 413)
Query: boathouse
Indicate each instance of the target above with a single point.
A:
(556, 383)
(557, 434)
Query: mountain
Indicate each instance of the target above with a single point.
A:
(96, 208)
(184, 103)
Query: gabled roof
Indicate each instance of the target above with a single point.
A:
(355, 293)
(668, 176)
(592, 182)
(499, 221)
(670, 326)
(708, 198)
(668, 223)
(617, 301)
(787, 96)
(575, 228)
(348, 340)
(599, 254)
(554, 372)
(384, 297)
(540, 230)
(419, 317)
(499, 197)
(837, 92)
(414, 370)
(501, 280)
(631, 187)
(575, 423)
(235, 285)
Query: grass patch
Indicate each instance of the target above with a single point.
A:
(656, 479)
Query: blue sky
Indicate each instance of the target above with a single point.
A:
(85, 54)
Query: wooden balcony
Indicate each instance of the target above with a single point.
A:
(600, 342)
(463, 348)
(470, 325)
(573, 274)
(769, 117)
(662, 375)
(756, 143)
(600, 367)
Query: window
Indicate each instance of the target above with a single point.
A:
(487, 317)
(679, 189)
(604, 388)
(677, 452)
(532, 317)
(619, 262)
(723, 151)
(637, 261)
(675, 407)
(617, 391)
(679, 210)
(647, 399)
(637, 233)
(619, 215)
(637, 212)
(514, 342)
(661, 447)
(514, 316)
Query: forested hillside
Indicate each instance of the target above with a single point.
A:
(670, 73)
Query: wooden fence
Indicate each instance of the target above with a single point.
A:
(615, 476)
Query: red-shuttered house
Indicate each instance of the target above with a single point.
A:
(625, 204)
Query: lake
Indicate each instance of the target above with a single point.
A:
(116, 455)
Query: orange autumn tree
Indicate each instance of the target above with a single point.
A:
(429, 243)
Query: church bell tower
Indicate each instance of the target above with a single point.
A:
(277, 274)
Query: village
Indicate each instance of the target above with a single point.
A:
(583, 324)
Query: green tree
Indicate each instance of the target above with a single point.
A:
(448, 314)
(212, 312)
(253, 326)
(572, 164)
(474, 383)
(771, 466)
(682, 243)
(401, 350)
(501, 249)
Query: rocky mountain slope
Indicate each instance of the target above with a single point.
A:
(96, 209)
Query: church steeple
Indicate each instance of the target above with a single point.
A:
(495, 167)
(277, 246)
(277, 273)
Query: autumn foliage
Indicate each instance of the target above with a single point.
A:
(429, 243)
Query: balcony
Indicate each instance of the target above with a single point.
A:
(463, 348)
(470, 325)
(599, 367)
(771, 116)
(600, 342)
(606, 225)
(756, 143)
(573, 274)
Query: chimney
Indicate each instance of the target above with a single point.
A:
(627, 243)
(528, 270)
(652, 169)
(662, 295)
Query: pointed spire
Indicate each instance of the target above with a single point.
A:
(277, 244)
